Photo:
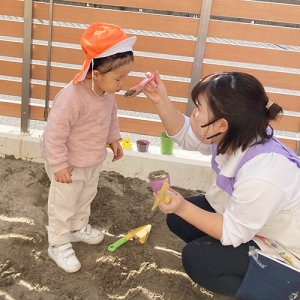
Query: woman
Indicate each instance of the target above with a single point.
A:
(256, 197)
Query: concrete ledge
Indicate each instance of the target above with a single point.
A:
(189, 170)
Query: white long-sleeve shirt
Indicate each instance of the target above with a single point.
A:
(265, 200)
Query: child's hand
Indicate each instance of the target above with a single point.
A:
(155, 90)
(117, 150)
(63, 176)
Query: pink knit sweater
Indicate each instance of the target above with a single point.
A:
(78, 128)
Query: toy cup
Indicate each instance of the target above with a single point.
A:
(157, 179)
(142, 145)
(166, 144)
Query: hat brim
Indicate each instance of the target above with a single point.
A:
(123, 46)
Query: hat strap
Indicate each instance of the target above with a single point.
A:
(93, 89)
(93, 85)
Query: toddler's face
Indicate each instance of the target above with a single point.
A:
(113, 81)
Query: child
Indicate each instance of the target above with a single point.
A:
(82, 121)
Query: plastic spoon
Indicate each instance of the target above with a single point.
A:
(134, 91)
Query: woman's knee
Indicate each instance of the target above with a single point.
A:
(199, 261)
(194, 259)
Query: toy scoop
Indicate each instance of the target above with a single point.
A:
(134, 91)
(140, 233)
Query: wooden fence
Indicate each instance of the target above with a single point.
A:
(260, 38)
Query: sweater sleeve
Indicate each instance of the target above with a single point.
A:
(114, 129)
(64, 113)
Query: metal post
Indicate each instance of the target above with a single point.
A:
(48, 60)
(200, 49)
(26, 66)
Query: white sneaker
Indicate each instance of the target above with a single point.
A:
(88, 235)
(65, 257)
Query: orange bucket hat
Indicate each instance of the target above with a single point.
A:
(102, 40)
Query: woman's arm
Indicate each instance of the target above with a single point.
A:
(172, 119)
(208, 222)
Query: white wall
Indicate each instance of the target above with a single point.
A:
(189, 170)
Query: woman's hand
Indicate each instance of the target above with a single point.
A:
(155, 90)
(117, 150)
(176, 205)
(63, 176)
(206, 221)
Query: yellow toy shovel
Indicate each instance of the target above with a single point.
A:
(140, 233)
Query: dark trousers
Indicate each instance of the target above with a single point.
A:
(207, 262)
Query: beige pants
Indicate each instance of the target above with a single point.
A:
(69, 205)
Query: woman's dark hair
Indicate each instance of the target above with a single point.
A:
(110, 63)
(240, 99)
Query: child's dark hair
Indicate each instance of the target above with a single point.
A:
(110, 63)
(240, 99)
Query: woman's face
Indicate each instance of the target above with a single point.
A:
(200, 117)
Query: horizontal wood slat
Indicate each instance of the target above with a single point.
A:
(141, 126)
(11, 109)
(141, 104)
(267, 78)
(191, 6)
(257, 10)
(254, 32)
(129, 20)
(250, 54)
(165, 66)
(12, 49)
(9, 68)
(12, 8)
(11, 28)
(287, 123)
(10, 88)
(165, 46)
(287, 102)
